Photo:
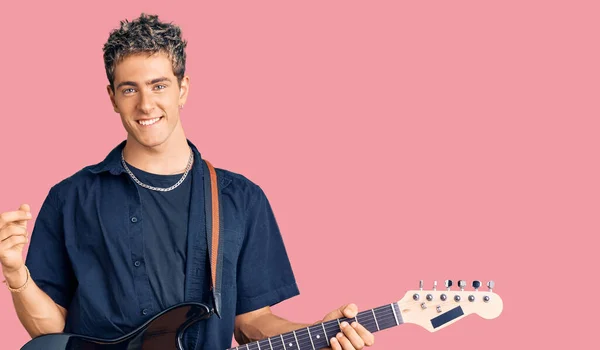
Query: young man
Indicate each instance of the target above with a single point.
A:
(122, 240)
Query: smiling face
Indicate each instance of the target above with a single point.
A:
(147, 96)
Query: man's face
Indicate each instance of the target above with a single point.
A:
(148, 97)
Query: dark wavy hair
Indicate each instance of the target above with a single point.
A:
(144, 35)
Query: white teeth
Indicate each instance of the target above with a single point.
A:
(149, 121)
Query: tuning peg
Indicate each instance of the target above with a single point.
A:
(462, 284)
(434, 285)
(490, 285)
(448, 284)
(421, 284)
(476, 285)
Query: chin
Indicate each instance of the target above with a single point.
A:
(155, 143)
(149, 143)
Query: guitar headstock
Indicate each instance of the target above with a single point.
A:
(440, 307)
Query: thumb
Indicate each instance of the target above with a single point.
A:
(25, 208)
(348, 310)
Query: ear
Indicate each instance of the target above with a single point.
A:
(184, 90)
(111, 95)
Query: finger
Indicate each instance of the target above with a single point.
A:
(367, 337)
(335, 344)
(344, 342)
(335, 314)
(350, 310)
(13, 241)
(12, 230)
(13, 216)
(26, 209)
(352, 336)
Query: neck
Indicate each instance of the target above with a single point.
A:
(317, 336)
(170, 157)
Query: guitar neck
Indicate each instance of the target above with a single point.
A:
(317, 336)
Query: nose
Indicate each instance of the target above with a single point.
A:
(146, 103)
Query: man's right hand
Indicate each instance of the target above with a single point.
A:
(38, 313)
(13, 237)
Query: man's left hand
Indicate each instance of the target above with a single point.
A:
(352, 336)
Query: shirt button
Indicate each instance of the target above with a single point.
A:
(145, 312)
(133, 219)
(137, 263)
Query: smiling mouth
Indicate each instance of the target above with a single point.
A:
(148, 122)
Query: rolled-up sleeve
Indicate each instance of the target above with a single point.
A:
(47, 258)
(265, 275)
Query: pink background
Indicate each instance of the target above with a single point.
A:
(396, 140)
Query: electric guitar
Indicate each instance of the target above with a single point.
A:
(431, 309)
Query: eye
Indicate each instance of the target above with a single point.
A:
(161, 87)
(128, 91)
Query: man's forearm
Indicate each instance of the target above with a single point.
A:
(38, 313)
(265, 326)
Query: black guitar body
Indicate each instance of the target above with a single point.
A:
(164, 331)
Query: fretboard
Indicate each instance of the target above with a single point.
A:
(317, 336)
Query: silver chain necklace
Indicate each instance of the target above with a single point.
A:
(161, 189)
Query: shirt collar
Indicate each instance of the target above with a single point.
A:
(112, 162)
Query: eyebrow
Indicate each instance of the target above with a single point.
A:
(153, 81)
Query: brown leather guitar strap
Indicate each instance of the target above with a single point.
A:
(214, 230)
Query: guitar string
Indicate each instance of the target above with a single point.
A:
(264, 343)
(333, 326)
(330, 326)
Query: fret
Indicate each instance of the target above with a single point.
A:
(289, 340)
(398, 314)
(310, 337)
(319, 339)
(295, 337)
(375, 318)
(332, 328)
(325, 333)
(395, 316)
(283, 342)
(385, 317)
(277, 343)
(364, 319)
(304, 339)
(265, 344)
